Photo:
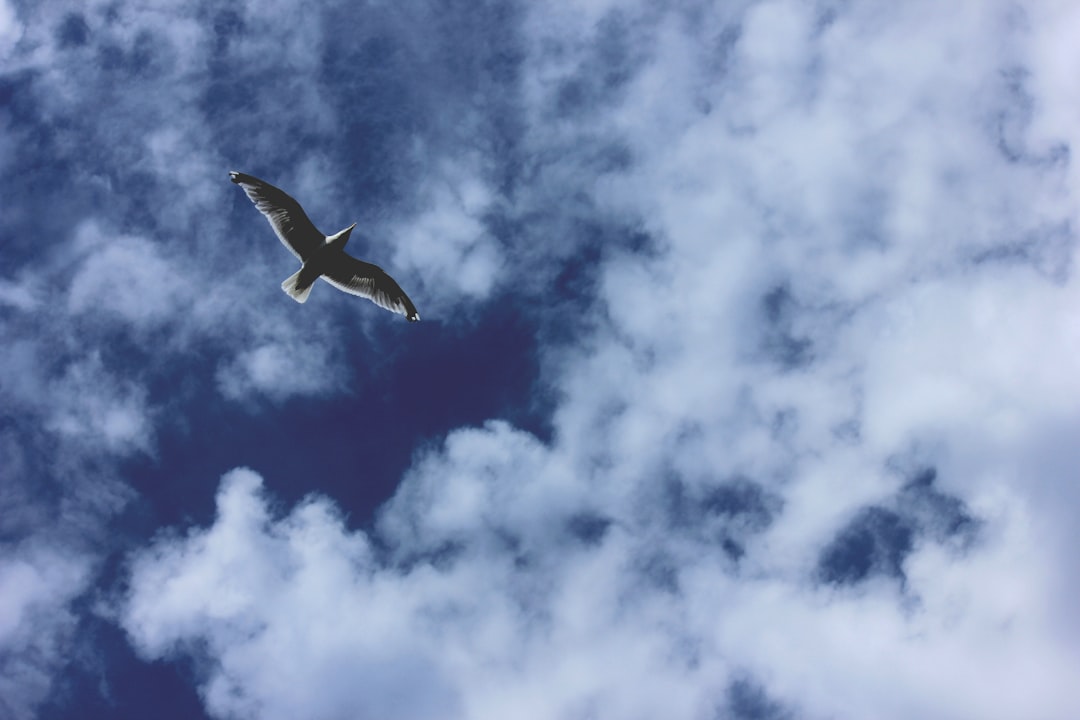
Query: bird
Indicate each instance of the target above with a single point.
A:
(321, 255)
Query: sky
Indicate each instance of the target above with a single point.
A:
(746, 386)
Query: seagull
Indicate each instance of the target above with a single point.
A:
(322, 255)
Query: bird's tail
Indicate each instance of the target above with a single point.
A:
(294, 289)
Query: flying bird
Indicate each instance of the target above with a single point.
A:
(322, 255)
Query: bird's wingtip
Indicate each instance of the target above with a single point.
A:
(234, 176)
(415, 317)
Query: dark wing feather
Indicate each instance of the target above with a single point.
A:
(366, 280)
(286, 216)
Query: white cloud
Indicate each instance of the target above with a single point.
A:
(89, 404)
(124, 276)
(19, 295)
(279, 371)
(10, 29)
(541, 627)
(447, 244)
(36, 584)
(355, 652)
(84, 402)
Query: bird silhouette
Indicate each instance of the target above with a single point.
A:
(322, 255)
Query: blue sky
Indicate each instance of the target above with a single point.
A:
(745, 387)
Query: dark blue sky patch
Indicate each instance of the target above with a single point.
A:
(588, 528)
(17, 100)
(743, 500)
(737, 511)
(442, 557)
(387, 87)
(727, 515)
(576, 279)
(875, 542)
(922, 479)
(63, 490)
(659, 571)
(68, 166)
(574, 291)
(779, 342)
(428, 379)
(232, 102)
(677, 503)
(41, 187)
(380, 117)
(455, 376)
(722, 55)
(1048, 250)
(228, 25)
(569, 282)
(825, 17)
(454, 86)
(73, 31)
(114, 684)
(483, 51)
(878, 539)
(614, 156)
(149, 57)
(613, 60)
(29, 495)
(733, 549)
(942, 517)
(573, 96)
(748, 700)
(1014, 115)
(617, 51)
(230, 94)
(1012, 120)
(848, 432)
(510, 544)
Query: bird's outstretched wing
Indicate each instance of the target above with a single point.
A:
(286, 216)
(371, 281)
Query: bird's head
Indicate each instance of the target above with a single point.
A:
(338, 240)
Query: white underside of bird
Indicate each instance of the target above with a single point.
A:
(322, 255)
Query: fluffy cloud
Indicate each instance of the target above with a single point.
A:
(36, 584)
(10, 29)
(279, 371)
(353, 653)
(448, 243)
(511, 601)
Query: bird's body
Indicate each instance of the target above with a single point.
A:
(322, 255)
